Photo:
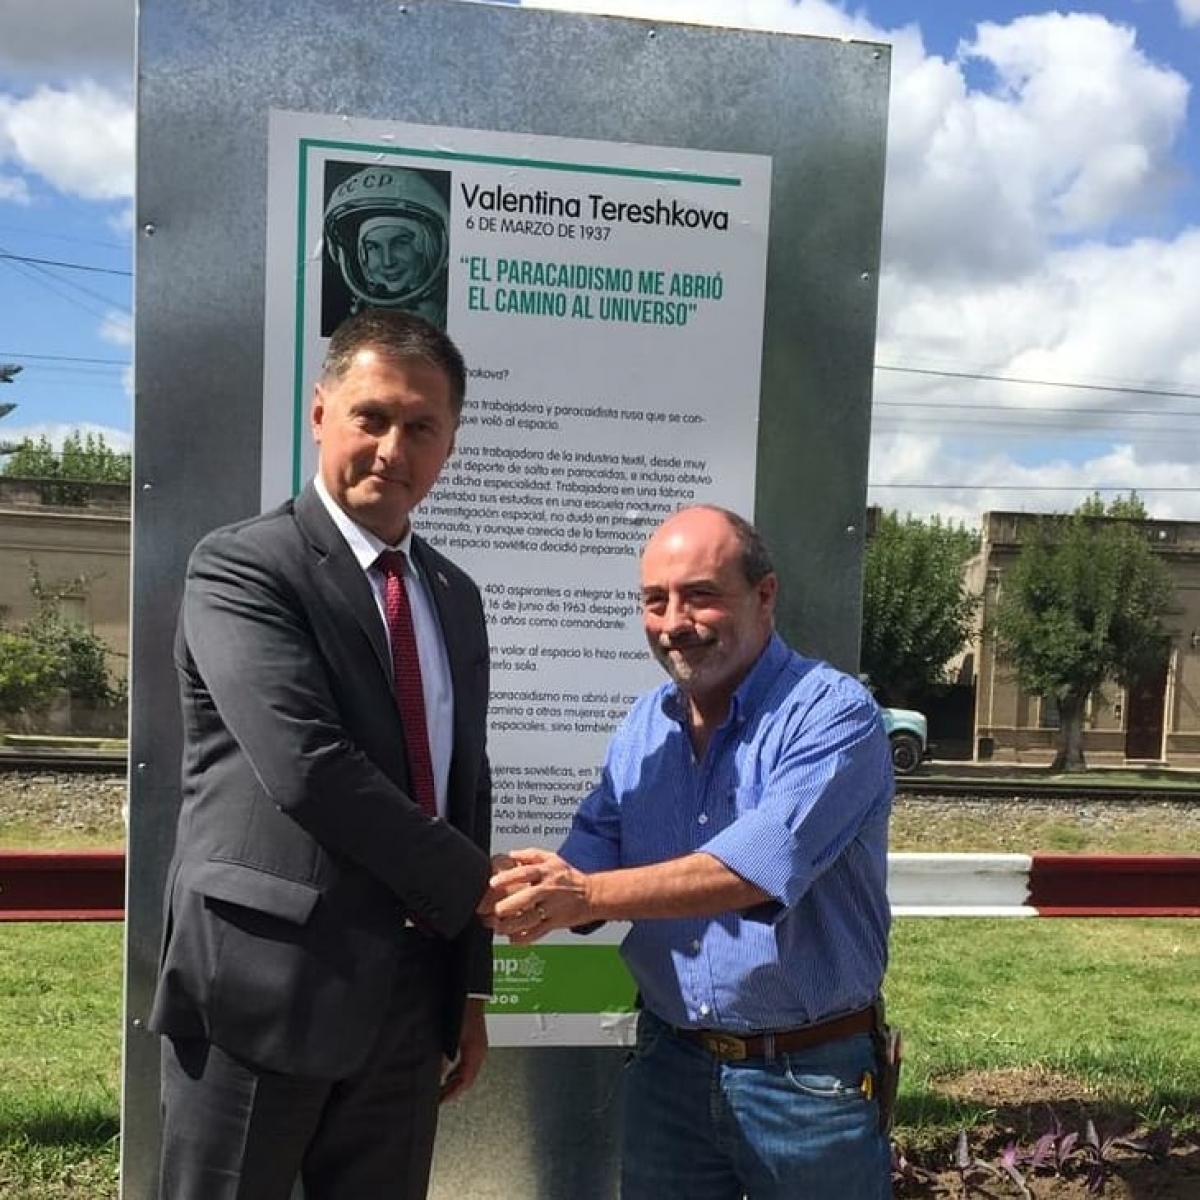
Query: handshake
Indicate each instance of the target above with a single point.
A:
(533, 892)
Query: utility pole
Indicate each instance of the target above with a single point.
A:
(8, 372)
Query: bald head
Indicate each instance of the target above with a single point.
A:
(711, 522)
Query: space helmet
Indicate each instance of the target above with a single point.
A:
(388, 192)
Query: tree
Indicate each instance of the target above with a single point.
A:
(65, 475)
(49, 653)
(1130, 507)
(917, 611)
(1083, 604)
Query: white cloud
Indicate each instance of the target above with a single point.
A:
(79, 139)
(56, 38)
(1072, 132)
(117, 328)
(1095, 314)
(1083, 107)
(1000, 483)
(1189, 11)
(121, 222)
(820, 17)
(1019, 172)
(14, 189)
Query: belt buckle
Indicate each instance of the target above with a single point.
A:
(724, 1046)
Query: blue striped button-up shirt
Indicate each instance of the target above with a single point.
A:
(793, 794)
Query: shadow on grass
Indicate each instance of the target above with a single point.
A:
(935, 1113)
(1068, 1145)
(931, 1121)
(78, 1129)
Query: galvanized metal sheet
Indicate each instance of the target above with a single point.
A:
(208, 74)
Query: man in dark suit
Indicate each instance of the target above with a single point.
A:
(322, 962)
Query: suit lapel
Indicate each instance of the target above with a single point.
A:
(338, 574)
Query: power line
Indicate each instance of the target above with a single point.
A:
(53, 283)
(53, 262)
(1078, 387)
(1028, 487)
(1035, 412)
(63, 237)
(107, 362)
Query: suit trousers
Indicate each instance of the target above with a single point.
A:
(232, 1131)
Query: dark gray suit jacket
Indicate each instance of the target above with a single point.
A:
(298, 851)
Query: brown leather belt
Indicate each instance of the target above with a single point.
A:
(730, 1047)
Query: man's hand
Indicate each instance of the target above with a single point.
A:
(537, 895)
(487, 905)
(472, 1050)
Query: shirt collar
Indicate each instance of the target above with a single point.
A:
(364, 545)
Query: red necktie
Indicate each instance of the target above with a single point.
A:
(406, 675)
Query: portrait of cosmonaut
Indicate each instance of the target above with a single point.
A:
(387, 244)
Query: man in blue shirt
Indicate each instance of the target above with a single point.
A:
(741, 826)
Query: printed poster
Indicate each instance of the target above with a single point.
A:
(608, 301)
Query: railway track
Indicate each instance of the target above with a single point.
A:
(1036, 785)
(68, 762)
(934, 780)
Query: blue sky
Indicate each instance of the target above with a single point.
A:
(1041, 265)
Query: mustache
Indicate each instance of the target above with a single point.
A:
(686, 641)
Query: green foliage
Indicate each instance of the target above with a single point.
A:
(1082, 604)
(65, 475)
(917, 611)
(28, 672)
(48, 653)
(1129, 507)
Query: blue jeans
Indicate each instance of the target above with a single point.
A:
(794, 1127)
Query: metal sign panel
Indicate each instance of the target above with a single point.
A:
(224, 90)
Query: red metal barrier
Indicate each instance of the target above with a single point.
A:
(1145, 885)
(89, 885)
(56, 885)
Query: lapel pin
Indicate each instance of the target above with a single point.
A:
(443, 580)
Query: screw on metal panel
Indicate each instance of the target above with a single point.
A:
(142, 766)
(147, 487)
(865, 277)
(851, 528)
(652, 34)
(149, 229)
(877, 55)
(137, 1022)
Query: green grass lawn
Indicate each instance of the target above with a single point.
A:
(1109, 1006)
(60, 1022)
(1104, 1012)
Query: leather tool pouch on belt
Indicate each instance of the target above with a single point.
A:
(887, 1061)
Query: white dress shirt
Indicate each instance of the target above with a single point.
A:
(431, 645)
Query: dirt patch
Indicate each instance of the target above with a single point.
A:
(1048, 1135)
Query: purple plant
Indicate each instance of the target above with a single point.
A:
(1054, 1149)
(904, 1171)
(1057, 1152)
(1010, 1164)
(971, 1170)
